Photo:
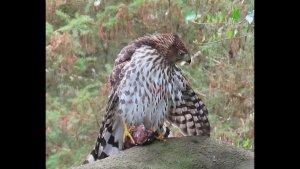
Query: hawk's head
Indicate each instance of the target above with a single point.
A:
(168, 45)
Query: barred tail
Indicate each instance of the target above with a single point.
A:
(109, 141)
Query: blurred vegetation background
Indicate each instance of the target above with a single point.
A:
(83, 38)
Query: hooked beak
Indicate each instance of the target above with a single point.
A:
(189, 61)
(187, 58)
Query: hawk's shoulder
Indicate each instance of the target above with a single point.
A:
(122, 59)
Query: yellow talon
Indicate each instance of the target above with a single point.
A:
(127, 134)
(160, 137)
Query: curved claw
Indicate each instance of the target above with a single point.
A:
(161, 137)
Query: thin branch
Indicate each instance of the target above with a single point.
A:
(208, 23)
(222, 40)
(212, 23)
(216, 61)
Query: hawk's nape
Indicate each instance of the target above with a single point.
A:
(149, 89)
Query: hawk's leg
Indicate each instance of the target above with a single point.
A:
(127, 133)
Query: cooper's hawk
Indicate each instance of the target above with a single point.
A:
(149, 89)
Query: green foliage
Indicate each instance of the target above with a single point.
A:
(83, 41)
(80, 24)
(230, 34)
(236, 14)
(63, 16)
(82, 64)
(135, 4)
(208, 18)
(110, 23)
(65, 137)
(246, 143)
(68, 9)
(49, 31)
(89, 5)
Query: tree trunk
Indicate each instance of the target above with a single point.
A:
(179, 153)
